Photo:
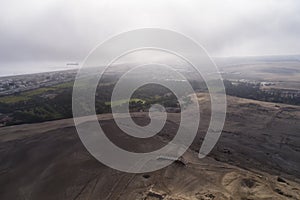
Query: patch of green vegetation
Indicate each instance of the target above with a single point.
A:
(36, 92)
(13, 99)
(25, 96)
(31, 106)
(64, 85)
(122, 101)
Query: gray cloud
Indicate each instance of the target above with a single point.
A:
(61, 31)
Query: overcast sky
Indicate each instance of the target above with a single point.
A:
(49, 33)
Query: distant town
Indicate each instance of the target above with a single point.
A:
(16, 84)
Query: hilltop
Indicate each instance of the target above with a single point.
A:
(257, 157)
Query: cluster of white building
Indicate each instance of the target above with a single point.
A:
(11, 85)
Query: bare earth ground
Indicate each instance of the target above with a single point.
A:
(257, 157)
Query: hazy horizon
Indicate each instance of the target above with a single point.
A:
(45, 35)
(11, 69)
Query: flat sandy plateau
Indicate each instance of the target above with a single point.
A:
(257, 157)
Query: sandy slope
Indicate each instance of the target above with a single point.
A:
(257, 157)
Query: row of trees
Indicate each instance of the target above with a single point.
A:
(253, 91)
